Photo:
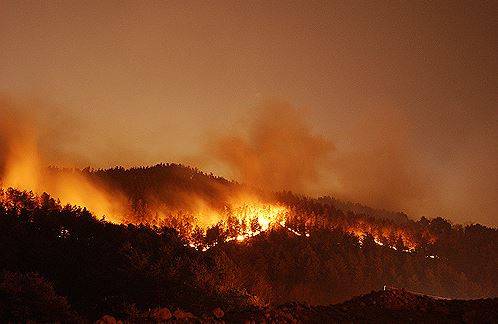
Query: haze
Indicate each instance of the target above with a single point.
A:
(393, 104)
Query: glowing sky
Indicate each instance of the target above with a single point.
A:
(140, 82)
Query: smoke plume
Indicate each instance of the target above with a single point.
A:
(278, 152)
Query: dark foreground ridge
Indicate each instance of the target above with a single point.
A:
(386, 306)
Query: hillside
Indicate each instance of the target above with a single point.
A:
(466, 254)
(391, 306)
(254, 255)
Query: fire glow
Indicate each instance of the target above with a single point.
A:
(238, 223)
(202, 226)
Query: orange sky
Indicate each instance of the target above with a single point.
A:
(136, 83)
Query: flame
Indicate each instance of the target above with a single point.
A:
(23, 170)
(237, 222)
(69, 187)
(249, 217)
(384, 240)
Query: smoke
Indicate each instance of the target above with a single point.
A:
(29, 142)
(23, 162)
(378, 166)
(278, 151)
(374, 165)
(378, 161)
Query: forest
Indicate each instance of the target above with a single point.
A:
(61, 262)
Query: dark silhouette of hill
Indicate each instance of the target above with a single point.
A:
(87, 267)
(469, 251)
(172, 185)
(357, 208)
(390, 306)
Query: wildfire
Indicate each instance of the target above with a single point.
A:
(203, 226)
(407, 245)
(241, 221)
(237, 222)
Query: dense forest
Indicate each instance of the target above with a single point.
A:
(62, 263)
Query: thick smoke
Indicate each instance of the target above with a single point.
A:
(279, 151)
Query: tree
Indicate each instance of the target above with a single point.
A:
(29, 297)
